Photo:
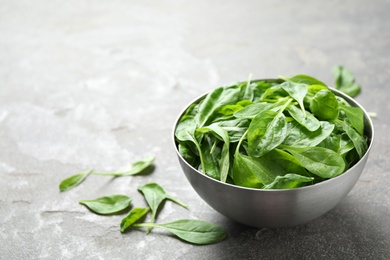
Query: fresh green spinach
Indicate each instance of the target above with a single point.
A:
(273, 134)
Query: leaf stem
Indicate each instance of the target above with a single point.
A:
(241, 139)
(284, 106)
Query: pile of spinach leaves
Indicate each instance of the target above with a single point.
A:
(190, 230)
(274, 134)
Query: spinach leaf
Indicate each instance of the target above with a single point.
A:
(358, 140)
(224, 162)
(251, 111)
(286, 161)
(74, 180)
(217, 98)
(212, 153)
(192, 231)
(253, 172)
(346, 144)
(355, 117)
(137, 167)
(234, 127)
(289, 181)
(154, 195)
(188, 154)
(299, 136)
(185, 129)
(345, 81)
(243, 172)
(324, 105)
(320, 161)
(134, 215)
(266, 131)
(307, 120)
(304, 79)
(297, 92)
(108, 204)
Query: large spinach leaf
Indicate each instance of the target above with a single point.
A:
(318, 160)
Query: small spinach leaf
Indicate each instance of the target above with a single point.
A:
(108, 204)
(135, 168)
(74, 180)
(134, 215)
(297, 92)
(345, 81)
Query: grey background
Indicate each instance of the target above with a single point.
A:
(99, 84)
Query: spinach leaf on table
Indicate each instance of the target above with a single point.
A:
(192, 231)
(109, 204)
(137, 167)
(154, 195)
(134, 215)
(74, 180)
(345, 81)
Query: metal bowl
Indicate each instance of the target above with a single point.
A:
(277, 208)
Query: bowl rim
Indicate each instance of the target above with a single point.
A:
(350, 100)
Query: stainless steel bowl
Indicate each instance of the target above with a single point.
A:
(277, 208)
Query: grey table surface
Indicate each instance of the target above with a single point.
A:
(99, 84)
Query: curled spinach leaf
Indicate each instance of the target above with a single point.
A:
(324, 105)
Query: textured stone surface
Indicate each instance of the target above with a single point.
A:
(99, 84)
